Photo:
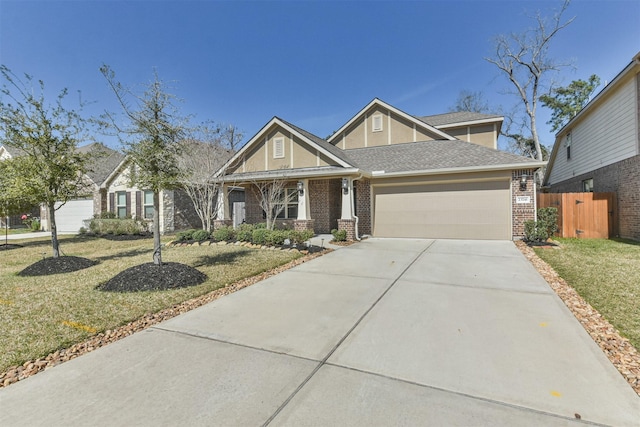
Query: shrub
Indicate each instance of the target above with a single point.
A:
(259, 236)
(200, 235)
(185, 235)
(533, 232)
(244, 233)
(35, 224)
(105, 215)
(277, 237)
(260, 225)
(82, 230)
(544, 227)
(339, 235)
(224, 233)
(299, 237)
(117, 226)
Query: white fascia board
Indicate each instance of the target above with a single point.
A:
(401, 113)
(288, 174)
(471, 122)
(513, 166)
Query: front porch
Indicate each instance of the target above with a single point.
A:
(320, 205)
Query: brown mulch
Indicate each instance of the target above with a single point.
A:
(32, 367)
(618, 349)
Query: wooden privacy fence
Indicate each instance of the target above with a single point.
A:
(583, 215)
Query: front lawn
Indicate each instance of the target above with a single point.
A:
(606, 273)
(41, 314)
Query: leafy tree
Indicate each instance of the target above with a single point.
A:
(152, 137)
(523, 58)
(471, 101)
(566, 102)
(51, 169)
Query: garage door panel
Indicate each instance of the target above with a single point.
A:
(70, 216)
(478, 210)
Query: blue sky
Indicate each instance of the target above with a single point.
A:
(313, 63)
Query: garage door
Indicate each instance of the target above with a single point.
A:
(70, 216)
(470, 210)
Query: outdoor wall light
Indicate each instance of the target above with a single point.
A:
(300, 188)
(523, 182)
(345, 185)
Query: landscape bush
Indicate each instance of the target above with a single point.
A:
(339, 235)
(244, 233)
(117, 226)
(299, 237)
(185, 235)
(200, 235)
(224, 234)
(259, 236)
(542, 229)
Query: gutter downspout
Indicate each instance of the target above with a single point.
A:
(353, 210)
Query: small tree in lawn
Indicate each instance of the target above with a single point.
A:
(273, 197)
(14, 198)
(152, 137)
(50, 170)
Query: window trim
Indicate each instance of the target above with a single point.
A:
(589, 182)
(377, 118)
(145, 205)
(567, 144)
(278, 148)
(119, 206)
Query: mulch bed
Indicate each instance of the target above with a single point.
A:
(124, 237)
(151, 277)
(9, 246)
(32, 367)
(618, 349)
(62, 264)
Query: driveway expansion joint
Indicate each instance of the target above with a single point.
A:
(349, 332)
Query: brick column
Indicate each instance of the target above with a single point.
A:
(349, 225)
(523, 201)
(303, 224)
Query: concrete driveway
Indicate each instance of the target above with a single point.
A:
(385, 332)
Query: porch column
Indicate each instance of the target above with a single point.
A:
(347, 191)
(223, 203)
(303, 202)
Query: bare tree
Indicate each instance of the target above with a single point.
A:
(524, 60)
(273, 197)
(471, 101)
(199, 162)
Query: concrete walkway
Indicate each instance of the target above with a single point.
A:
(385, 332)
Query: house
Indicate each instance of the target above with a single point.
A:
(71, 216)
(390, 174)
(177, 211)
(599, 149)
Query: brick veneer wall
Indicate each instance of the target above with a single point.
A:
(622, 178)
(349, 225)
(522, 212)
(324, 204)
(363, 206)
(252, 209)
(185, 216)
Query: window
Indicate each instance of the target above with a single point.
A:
(148, 205)
(290, 210)
(121, 204)
(377, 123)
(567, 143)
(278, 148)
(587, 185)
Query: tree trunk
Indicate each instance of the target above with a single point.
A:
(54, 229)
(157, 250)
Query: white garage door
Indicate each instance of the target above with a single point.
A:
(70, 216)
(470, 210)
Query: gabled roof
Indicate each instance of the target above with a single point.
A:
(314, 141)
(106, 161)
(459, 118)
(426, 126)
(436, 156)
(11, 151)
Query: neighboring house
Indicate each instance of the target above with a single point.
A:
(390, 174)
(71, 216)
(176, 208)
(599, 149)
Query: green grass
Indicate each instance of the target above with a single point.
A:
(39, 315)
(606, 273)
(11, 231)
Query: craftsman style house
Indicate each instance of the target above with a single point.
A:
(390, 174)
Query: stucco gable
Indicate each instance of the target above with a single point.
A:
(281, 145)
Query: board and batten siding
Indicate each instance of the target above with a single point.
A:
(606, 135)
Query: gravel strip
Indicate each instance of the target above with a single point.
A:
(32, 367)
(617, 348)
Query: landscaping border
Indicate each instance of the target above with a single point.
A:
(618, 349)
(32, 367)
